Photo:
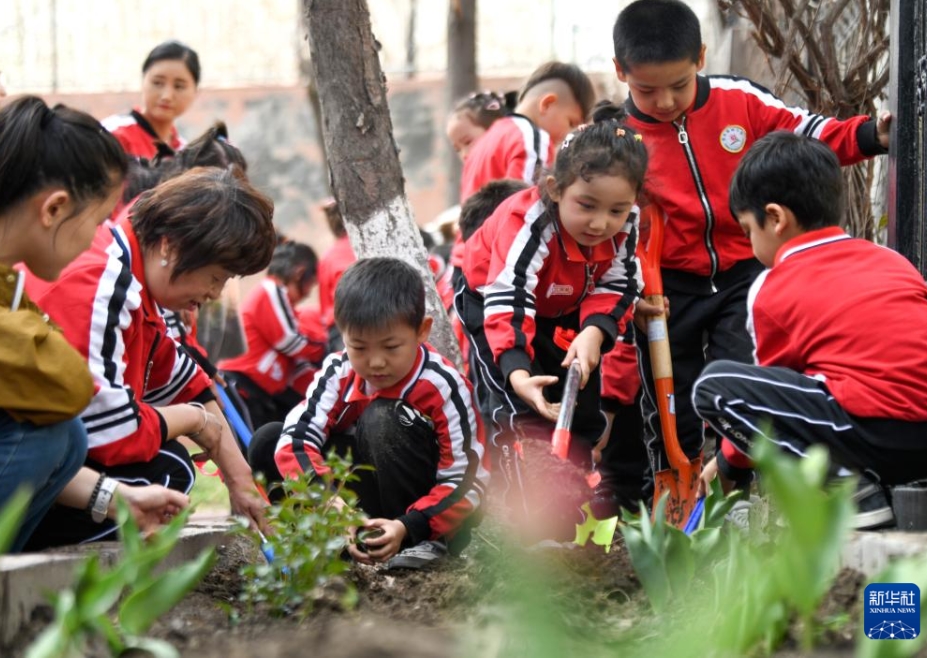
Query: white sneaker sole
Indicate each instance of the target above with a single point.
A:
(873, 519)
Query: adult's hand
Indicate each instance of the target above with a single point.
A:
(151, 506)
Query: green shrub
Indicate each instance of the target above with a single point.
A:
(308, 538)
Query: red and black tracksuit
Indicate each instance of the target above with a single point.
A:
(136, 137)
(339, 257)
(512, 147)
(527, 287)
(276, 347)
(423, 436)
(105, 311)
(707, 262)
(840, 329)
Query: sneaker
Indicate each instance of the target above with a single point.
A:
(872, 507)
(420, 556)
(739, 515)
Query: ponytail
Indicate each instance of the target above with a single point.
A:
(42, 146)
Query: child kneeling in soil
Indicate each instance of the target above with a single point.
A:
(551, 277)
(400, 407)
(840, 333)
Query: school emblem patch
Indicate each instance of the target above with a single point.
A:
(733, 139)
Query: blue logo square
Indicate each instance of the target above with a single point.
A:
(892, 611)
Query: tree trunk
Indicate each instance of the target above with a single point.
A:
(461, 74)
(362, 157)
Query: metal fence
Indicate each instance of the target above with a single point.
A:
(908, 161)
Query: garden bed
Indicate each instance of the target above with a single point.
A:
(499, 598)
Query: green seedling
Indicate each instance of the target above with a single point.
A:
(308, 537)
(666, 559)
(83, 614)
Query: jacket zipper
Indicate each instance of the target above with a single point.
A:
(683, 136)
(588, 285)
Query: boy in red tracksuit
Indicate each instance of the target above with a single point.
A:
(840, 328)
(696, 129)
(555, 99)
(398, 406)
(276, 346)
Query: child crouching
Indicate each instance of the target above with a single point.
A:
(400, 407)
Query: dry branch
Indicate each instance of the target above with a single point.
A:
(833, 55)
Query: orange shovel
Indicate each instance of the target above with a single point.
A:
(680, 480)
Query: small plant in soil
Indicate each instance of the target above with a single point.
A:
(739, 593)
(83, 624)
(667, 560)
(306, 544)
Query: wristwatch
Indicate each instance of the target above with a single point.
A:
(103, 499)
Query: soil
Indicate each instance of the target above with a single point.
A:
(463, 606)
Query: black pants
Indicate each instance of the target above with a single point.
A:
(742, 402)
(509, 414)
(625, 466)
(391, 436)
(171, 467)
(262, 407)
(704, 326)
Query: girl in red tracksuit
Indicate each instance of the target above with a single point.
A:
(552, 276)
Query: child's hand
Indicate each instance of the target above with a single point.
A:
(531, 390)
(379, 547)
(710, 472)
(884, 128)
(644, 310)
(587, 349)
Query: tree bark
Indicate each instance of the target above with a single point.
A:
(363, 161)
(461, 74)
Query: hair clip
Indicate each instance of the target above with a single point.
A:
(638, 137)
(619, 132)
(493, 105)
(571, 135)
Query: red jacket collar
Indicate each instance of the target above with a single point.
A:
(357, 390)
(809, 239)
(138, 267)
(604, 251)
